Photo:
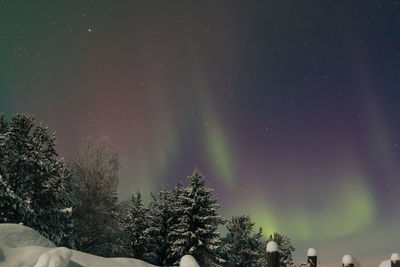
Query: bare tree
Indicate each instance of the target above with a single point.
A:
(95, 180)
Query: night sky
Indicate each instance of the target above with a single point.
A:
(291, 109)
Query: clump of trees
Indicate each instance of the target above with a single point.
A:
(244, 247)
(76, 205)
(185, 221)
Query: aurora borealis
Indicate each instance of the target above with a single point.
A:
(289, 108)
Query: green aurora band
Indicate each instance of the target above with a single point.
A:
(219, 154)
(346, 211)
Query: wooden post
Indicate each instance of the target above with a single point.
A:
(395, 260)
(272, 254)
(311, 257)
(347, 261)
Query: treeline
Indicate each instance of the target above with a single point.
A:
(75, 204)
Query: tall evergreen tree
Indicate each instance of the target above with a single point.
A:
(160, 213)
(241, 246)
(135, 225)
(33, 179)
(174, 221)
(197, 225)
(95, 179)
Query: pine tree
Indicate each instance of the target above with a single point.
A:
(197, 225)
(135, 225)
(159, 218)
(96, 215)
(33, 183)
(174, 221)
(241, 246)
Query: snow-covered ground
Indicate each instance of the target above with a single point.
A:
(385, 264)
(23, 246)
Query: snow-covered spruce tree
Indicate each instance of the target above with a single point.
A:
(285, 250)
(95, 178)
(197, 224)
(135, 225)
(160, 213)
(10, 203)
(241, 245)
(174, 221)
(33, 182)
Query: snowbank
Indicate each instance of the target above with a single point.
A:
(88, 260)
(58, 257)
(385, 264)
(23, 246)
(18, 235)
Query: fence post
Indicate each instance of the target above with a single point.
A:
(188, 261)
(347, 261)
(272, 254)
(311, 257)
(395, 260)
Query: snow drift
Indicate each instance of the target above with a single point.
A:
(16, 235)
(23, 246)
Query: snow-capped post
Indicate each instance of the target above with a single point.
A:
(347, 261)
(272, 254)
(311, 257)
(395, 260)
(188, 261)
